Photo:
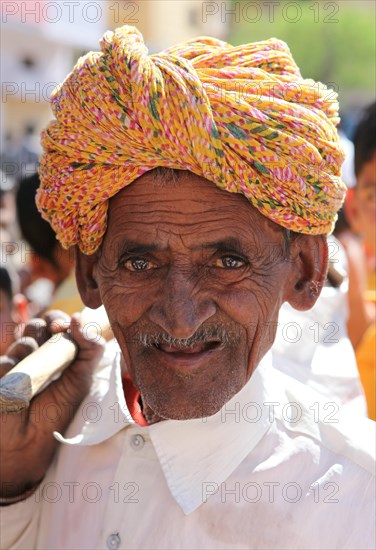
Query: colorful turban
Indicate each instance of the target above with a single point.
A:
(241, 117)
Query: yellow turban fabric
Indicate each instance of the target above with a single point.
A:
(242, 117)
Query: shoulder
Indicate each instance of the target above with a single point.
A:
(302, 411)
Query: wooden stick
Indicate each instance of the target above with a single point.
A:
(38, 369)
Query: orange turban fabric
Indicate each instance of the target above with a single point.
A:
(241, 117)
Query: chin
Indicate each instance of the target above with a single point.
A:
(194, 412)
(199, 407)
(181, 392)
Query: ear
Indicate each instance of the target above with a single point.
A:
(309, 266)
(85, 278)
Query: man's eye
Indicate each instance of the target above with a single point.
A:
(229, 262)
(138, 264)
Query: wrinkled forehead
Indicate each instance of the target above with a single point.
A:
(166, 183)
(162, 208)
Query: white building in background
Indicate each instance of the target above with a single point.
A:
(40, 41)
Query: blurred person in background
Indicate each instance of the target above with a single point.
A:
(360, 245)
(13, 307)
(11, 248)
(7, 206)
(362, 210)
(49, 262)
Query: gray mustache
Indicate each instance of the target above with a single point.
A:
(210, 334)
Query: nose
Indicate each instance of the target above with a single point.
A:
(181, 308)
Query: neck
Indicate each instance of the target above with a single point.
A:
(150, 416)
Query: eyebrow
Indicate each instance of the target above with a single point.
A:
(230, 244)
(133, 247)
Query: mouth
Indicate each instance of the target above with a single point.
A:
(188, 357)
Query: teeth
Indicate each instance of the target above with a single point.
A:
(194, 348)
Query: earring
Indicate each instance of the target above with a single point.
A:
(315, 288)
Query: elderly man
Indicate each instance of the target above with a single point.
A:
(197, 186)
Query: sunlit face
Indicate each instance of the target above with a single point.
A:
(192, 279)
(365, 201)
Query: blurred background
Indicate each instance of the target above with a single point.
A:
(333, 42)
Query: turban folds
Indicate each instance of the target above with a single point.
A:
(241, 117)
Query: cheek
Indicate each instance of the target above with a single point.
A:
(366, 225)
(121, 304)
(255, 307)
(251, 303)
(125, 303)
(366, 211)
(370, 215)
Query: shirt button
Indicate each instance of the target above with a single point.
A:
(137, 441)
(113, 541)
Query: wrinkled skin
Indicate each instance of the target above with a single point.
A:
(185, 260)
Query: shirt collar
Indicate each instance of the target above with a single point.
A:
(197, 451)
(104, 412)
(191, 452)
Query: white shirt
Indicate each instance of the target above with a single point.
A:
(254, 475)
(313, 346)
